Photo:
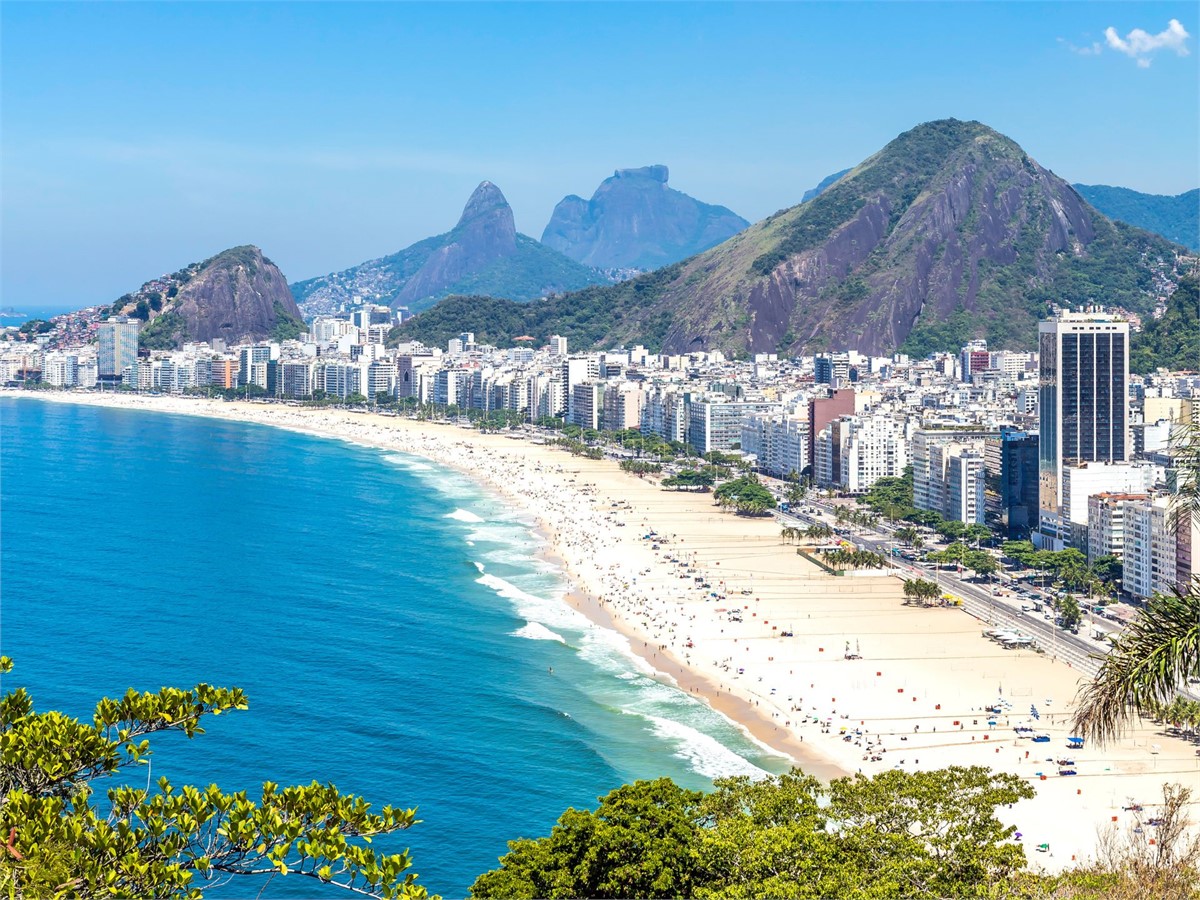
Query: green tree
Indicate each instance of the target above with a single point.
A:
(170, 842)
(981, 562)
(640, 468)
(928, 834)
(745, 494)
(977, 533)
(952, 530)
(1069, 612)
(1108, 569)
(640, 842)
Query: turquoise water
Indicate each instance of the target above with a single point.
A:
(389, 621)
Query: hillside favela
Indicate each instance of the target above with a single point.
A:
(600, 451)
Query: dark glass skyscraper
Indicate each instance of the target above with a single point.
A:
(1083, 401)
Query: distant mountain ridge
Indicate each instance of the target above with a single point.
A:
(483, 253)
(634, 220)
(950, 232)
(1175, 218)
(237, 295)
(826, 183)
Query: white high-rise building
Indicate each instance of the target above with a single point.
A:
(1106, 523)
(61, 369)
(1084, 480)
(1148, 567)
(577, 370)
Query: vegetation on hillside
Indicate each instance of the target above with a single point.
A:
(908, 164)
(1008, 276)
(1175, 218)
(522, 276)
(584, 317)
(1172, 342)
(164, 333)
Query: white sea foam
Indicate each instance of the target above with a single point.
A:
(706, 755)
(550, 612)
(610, 651)
(499, 533)
(535, 631)
(462, 515)
(407, 462)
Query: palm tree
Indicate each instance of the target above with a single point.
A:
(1161, 649)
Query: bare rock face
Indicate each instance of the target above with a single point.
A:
(484, 234)
(237, 295)
(483, 254)
(950, 232)
(635, 221)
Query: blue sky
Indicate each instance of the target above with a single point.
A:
(139, 137)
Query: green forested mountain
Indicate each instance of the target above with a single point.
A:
(482, 253)
(1172, 342)
(1175, 218)
(949, 232)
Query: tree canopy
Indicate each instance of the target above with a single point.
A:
(747, 495)
(927, 834)
(169, 842)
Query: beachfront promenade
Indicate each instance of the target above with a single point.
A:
(835, 672)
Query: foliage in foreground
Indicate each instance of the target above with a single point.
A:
(144, 843)
(928, 834)
(932, 834)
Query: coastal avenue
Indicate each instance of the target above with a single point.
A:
(981, 603)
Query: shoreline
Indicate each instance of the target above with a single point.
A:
(922, 669)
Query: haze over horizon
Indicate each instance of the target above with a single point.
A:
(139, 138)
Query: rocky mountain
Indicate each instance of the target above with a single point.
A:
(237, 295)
(483, 254)
(1175, 218)
(826, 183)
(949, 232)
(634, 220)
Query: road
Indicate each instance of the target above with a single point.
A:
(978, 600)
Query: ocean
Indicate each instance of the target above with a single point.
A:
(390, 622)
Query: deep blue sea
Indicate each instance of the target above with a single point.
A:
(390, 622)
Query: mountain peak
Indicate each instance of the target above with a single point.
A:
(486, 200)
(949, 232)
(658, 173)
(237, 294)
(482, 254)
(635, 221)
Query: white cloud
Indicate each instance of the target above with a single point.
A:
(1093, 49)
(1141, 45)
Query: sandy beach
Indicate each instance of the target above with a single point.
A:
(709, 598)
